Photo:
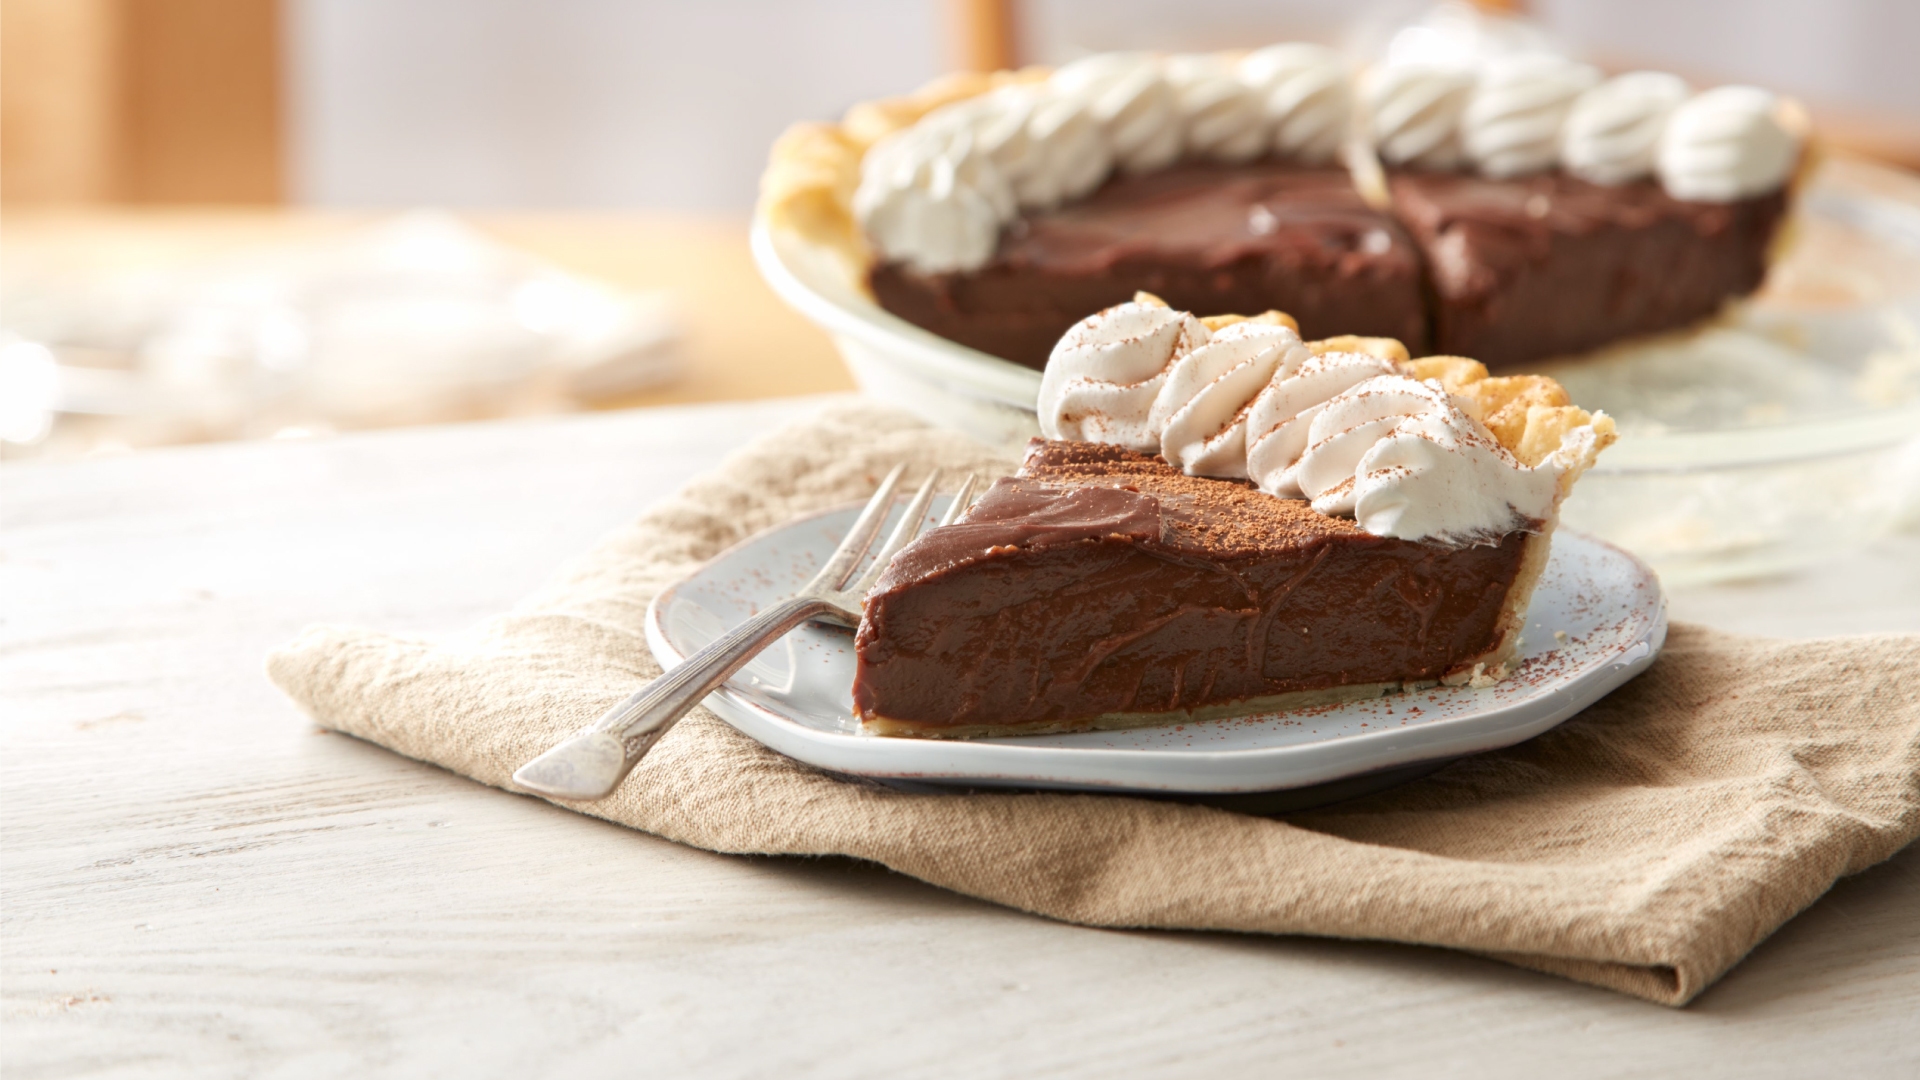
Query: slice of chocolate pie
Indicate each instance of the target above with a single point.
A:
(1226, 519)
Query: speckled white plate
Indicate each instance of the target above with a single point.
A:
(796, 697)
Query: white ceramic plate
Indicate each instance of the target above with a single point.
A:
(796, 697)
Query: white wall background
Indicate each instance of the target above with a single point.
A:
(670, 104)
(576, 103)
(1859, 54)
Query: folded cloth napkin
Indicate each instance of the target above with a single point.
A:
(1646, 845)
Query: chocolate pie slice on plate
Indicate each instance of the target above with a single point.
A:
(1226, 518)
(1239, 562)
(1596, 619)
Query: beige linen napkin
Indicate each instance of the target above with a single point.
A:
(1645, 845)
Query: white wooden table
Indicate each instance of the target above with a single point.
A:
(198, 882)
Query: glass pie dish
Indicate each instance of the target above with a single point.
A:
(1786, 430)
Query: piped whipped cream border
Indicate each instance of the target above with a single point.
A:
(1406, 448)
(935, 191)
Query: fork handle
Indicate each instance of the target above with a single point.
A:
(594, 761)
(640, 720)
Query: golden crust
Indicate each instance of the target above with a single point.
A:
(1502, 402)
(1509, 400)
(1548, 426)
(1268, 318)
(1495, 664)
(1529, 414)
(1451, 372)
(1541, 434)
(809, 184)
(1215, 322)
(814, 169)
(1385, 348)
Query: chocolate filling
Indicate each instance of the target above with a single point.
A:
(1549, 265)
(1102, 581)
(1204, 238)
(1504, 271)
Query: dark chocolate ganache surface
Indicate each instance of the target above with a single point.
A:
(1504, 271)
(1101, 581)
(1548, 265)
(1210, 239)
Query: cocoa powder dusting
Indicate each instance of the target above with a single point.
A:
(1217, 516)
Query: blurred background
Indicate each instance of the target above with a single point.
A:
(257, 218)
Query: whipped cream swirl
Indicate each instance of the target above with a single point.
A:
(936, 194)
(929, 197)
(1725, 144)
(1133, 103)
(1511, 125)
(1613, 132)
(1070, 156)
(1105, 374)
(1348, 431)
(993, 125)
(1279, 419)
(1221, 116)
(1414, 113)
(1307, 92)
(1203, 409)
(1044, 144)
(1531, 111)
(1403, 460)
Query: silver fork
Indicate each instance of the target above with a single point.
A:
(593, 761)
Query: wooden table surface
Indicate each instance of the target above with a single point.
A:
(198, 882)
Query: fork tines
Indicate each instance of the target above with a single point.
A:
(833, 577)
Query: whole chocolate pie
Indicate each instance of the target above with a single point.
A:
(1522, 210)
(1223, 519)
